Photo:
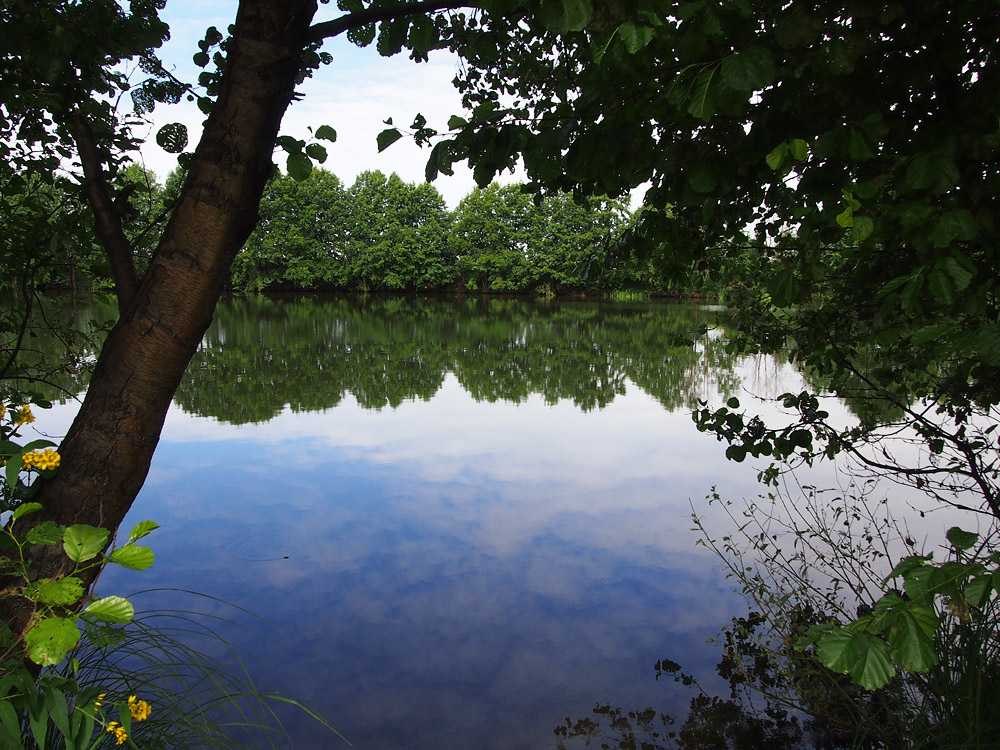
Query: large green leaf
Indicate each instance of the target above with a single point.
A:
(132, 556)
(961, 540)
(64, 591)
(24, 509)
(701, 103)
(10, 733)
(116, 609)
(749, 70)
(566, 15)
(83, 542)
(861, 655)
(299, 166)
(911, 635)
(47, 532)
(172, 137)
(326, 133)
(51, 639)
(387, 137)
(142, 529)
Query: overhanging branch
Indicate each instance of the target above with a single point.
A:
(107, 217)
(338, 26)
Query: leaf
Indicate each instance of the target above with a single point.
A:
(47, 532)
(51, 639)
(750, 70)
(958, 273)
(987, 344)
(933, 171)
(289, 143)
(115, 609)
(132, 557)
(387, 137)
(777, 156)
(862, 229)
(846, 218)
(24, 509)
(702, 103)
(702, 178)
(940, 286)
(299, 166)
(82, 542)
(911, 635)
(57, 592)
(9, 727)
(13, 469)
(172, 137)
(317, 152)
(961, 540)
(861, 655)
(978, 590)
(142, 529)
(635, 37)
(566, 15)
(326, 133)
(798, 148)
(455, 122)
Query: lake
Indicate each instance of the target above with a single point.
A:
(450, 524)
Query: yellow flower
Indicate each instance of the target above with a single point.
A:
(140, 710)
(47, 458)
(118, 731)
(23, 416)
(100, 698)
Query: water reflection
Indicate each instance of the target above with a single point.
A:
(459, 527)
(261, 354)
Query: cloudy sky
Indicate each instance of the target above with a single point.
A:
(354, 95)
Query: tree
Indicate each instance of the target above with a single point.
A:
(300, 238)
(63, 72)
(62, 75)
(494, 229)
(396, 235)
(506, 241)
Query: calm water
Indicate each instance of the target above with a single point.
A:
(458, 523)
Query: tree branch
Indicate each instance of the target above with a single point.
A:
(338, 26)
(107, 217)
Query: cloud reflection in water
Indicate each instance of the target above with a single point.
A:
(448, 573)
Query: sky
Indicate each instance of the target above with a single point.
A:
(354, 95)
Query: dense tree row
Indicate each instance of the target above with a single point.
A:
(384, 234)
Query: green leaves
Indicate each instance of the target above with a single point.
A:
(748, 70)
(563, 16)
(132, 557)
(58, 592)
(387, 137)
(299, 165)
(172, 137)
(50, 640)
(326, 133)
(112, 609)
(82, 542)
(701, 103)
(961, 540)
(862, 656)
(901, 630)
(141, 529)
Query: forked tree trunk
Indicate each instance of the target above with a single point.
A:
(107, 452)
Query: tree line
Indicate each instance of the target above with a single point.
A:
(382, 234)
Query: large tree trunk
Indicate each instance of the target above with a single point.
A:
(107, 452)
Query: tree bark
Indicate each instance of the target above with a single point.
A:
(107, 452)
